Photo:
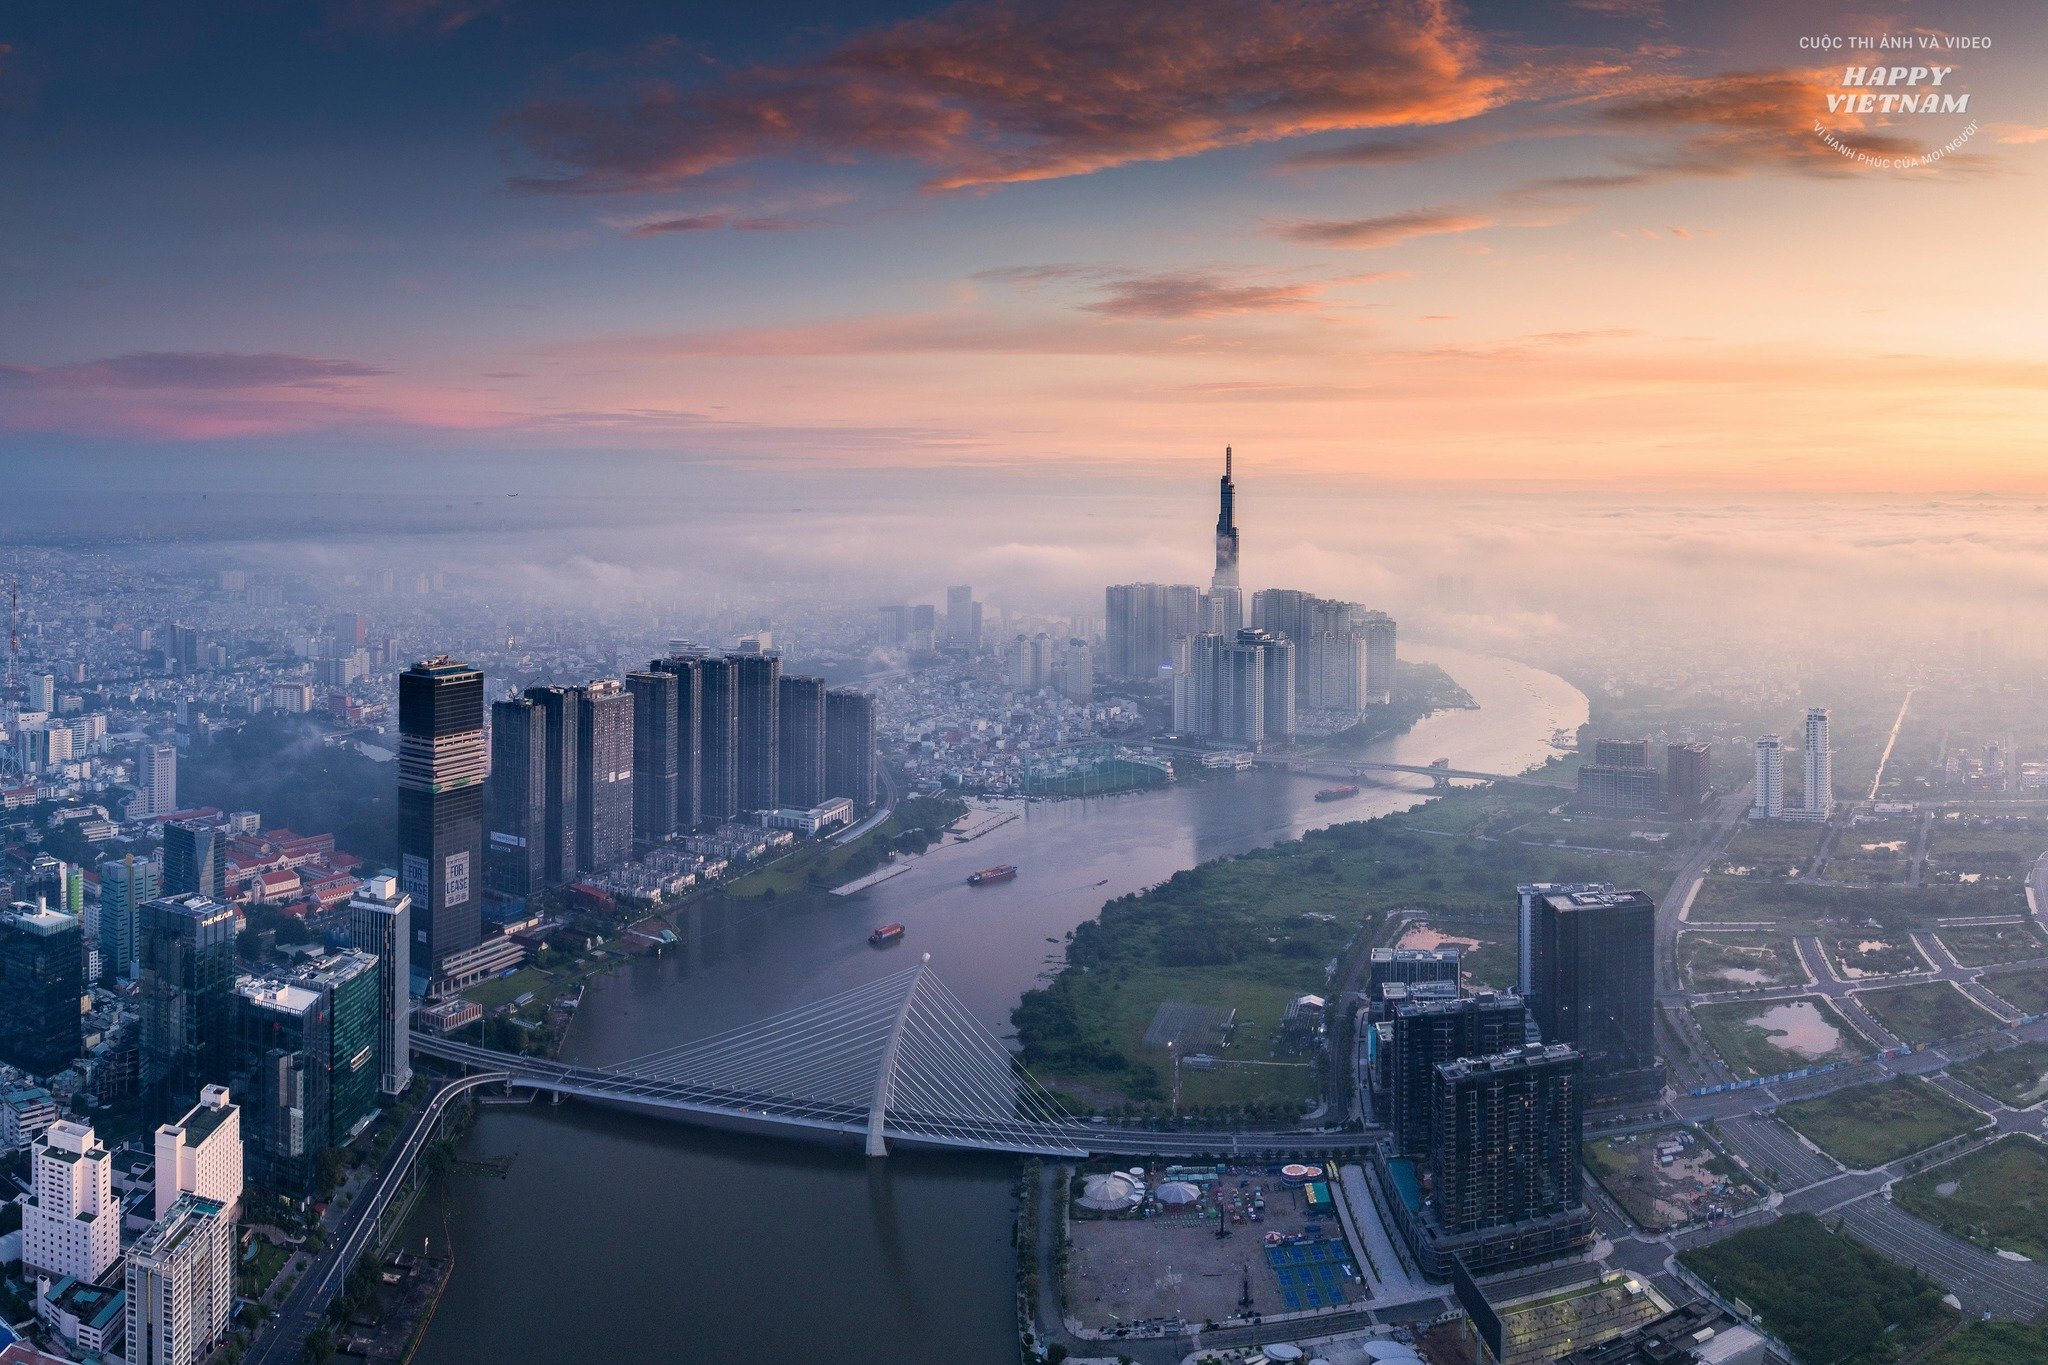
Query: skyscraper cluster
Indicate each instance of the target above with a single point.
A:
(1484, 1092)
(1817, 799)
(1622, 778)
(584, 777)
(1239, 685)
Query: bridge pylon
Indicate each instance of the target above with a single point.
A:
(885, 1070)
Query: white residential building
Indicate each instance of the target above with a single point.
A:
(1820, 765)
(72, 1223)
(181, 1282)
(1769, 802)
(202, 1154)
(24, 1114)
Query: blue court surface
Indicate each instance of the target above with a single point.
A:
(1312, 1274)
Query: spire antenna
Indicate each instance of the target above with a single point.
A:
(1226, 462)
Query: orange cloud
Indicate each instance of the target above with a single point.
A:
(999, 92)
(1388, 229)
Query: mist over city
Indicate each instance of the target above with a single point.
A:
(1124, 682)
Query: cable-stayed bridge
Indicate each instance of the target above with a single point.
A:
(896, 1062)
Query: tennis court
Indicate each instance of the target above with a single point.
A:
(1312, 1274)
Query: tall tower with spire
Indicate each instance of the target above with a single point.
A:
(1224, 590)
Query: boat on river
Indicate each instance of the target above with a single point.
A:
(1343, 793)
(989, 876)
(885, 936)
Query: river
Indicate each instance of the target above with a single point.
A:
(641, 1240)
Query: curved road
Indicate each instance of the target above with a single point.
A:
(284, 1340)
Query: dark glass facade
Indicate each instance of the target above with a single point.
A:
(441, 771)
(1593, 985)
(604, 776)
(42, 976)
(281, 1048)
(654, 755)
(515, 856)
(186, 946)
(560, 850)
(850, 746)
(800, 733)
(757, 749)
(195, 860)
(689, 738)
(719, 727)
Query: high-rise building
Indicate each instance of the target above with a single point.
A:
(1241, 688)
(800, 737)
(720, 731)
(1688, 777)
(1526, 896)
(125, 883)
(1141, 622)
(515, 856)
(201, 1154)
(1507, 1183)
(1380, 630)
(1820, 766)
(380, 923)
(1075, 673)
(181, 1282)
(1410, 967)
(185, 946)
(1428, 1032)
(42, 977)
(1027, 662)
(756, 724)
(195, 860)
(441, 768)
(689, 737)
(1630, 788)
(604, 776)
(1769, 801)
(654, 755)
(156, 782)
(351, 982)
(561, 784)
(1623, 753)
(963, 618)
(281, 1076)
(1225, 579)
(1592, 973)
(71, 1222)
(850, 746)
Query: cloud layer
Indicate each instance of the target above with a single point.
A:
(1003, 91)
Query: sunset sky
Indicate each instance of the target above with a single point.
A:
(1594, 243)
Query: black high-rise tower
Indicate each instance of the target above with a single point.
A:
(441, 765)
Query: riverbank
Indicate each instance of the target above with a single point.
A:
(782, 1251)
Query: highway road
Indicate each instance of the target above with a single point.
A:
(283, 1340)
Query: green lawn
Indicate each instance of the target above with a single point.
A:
(1827, 1297)
(1980, 945)
(1790, 903)
(1925, 1012)
(1870, 1125)
(1745, 1042)
(1733, 962)
(503, 990)
(1773, 850)
(2026, 992)
(1996, 1196)
(2016, 1075)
